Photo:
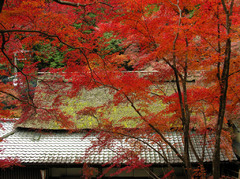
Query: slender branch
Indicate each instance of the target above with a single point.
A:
(141, 140)
(7, 135)
(149, 124)
(150, 173)
(194, 151)
(219, 45)
(204, 137)
(225, 7)
(173, 67)
(154, 128)
(209, 43)
(234, 73)
(9, 60)
(78, 4)
(15, 97)
(72, 3)
(39, 32)
(231, 7)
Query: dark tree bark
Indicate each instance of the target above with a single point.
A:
(1, 5)
(223, 93)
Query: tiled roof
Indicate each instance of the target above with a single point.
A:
(61, 147)
(237, 124)
(6, 125)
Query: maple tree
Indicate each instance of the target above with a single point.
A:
(176, 39)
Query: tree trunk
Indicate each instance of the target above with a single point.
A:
(1, 5)
(223, 95)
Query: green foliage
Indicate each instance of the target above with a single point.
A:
(91, 15)
(192, 12)
(48, 56)
(89, 20)
(77, 26)
(151, 8)
(112, 42)
(2, 66)
(113, 46)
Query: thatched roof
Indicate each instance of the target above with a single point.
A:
(54, 102)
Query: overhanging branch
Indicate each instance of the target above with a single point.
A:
(38, 32)
(73, 4)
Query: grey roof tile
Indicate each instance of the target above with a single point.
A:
(6, 125)
(65, 148)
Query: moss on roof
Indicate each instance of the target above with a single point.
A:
(54, 96)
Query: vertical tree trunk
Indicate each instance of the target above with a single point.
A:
(222, 106)
(186, 151)
(223, 93)
(1, 5)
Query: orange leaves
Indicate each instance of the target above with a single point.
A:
(119, 59)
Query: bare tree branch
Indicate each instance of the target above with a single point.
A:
(7, 135)
(78, 4)
(71, 3)
(39, 32)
